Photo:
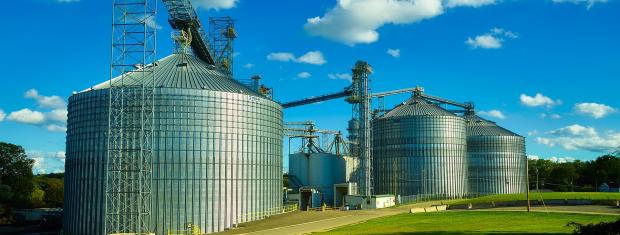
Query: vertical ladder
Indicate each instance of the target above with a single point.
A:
(129, 160)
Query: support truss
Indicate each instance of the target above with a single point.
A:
(131, 118)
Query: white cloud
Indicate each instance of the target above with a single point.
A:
(538, 100)
(562, 159)
(577, 137)
(304, 75)
(281, 56)
(248, 66)
(575, 131)
(533, 157)
(589, 3)
(59, 115)
(357, 21)
(56, 128)
(493, 113)
(394, 52)
(594, 110)
(469, 3)
(555, 116)
(312, 57)
(27, 116)
(486, 41)
(215, 4)
(340, 76)
(491, 40)
(67, 1)
(45, 162)
(46, 102)
(2, 115)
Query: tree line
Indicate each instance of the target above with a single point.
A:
(20, 188)
(576, 176)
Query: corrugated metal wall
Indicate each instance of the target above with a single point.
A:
(218, 160)
(420, 155)
(319, 171)
(496, 158)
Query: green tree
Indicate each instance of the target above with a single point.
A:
(564, 177)
(16, 172)
(53, 189)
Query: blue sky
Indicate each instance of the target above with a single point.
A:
(546, 69)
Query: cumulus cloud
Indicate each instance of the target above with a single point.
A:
(469, 3)
(357, 21)
(2, 115)
(47, 162)
(538, 100)
(575, 131)
(394, 52)
(59, 115)
(56, 128)
(215, 4)
(54, 120)
(46, 102)
(492, 40)
(594, 110)
(588, 3)
(27, 116)
(248, 66)
(493, 113)
(553, 159)
(578, 137)
(340, 76)
(67, 1)
(312, 57)
(562, 159)
(304, 75)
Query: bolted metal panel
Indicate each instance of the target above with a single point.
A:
(217, 159)
(320, 171)
(420, 149)
(298, 166)
(496, 158)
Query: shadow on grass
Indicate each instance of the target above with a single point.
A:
(462, 233)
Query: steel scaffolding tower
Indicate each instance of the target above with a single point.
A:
(359, 127)
(222, 34)
(131, 118)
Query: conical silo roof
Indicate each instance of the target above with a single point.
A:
(417, 106)
(185, 71)
(477, 126)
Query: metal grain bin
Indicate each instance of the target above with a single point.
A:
(217, 157)
(420, 149)
(319, 171)
(496, 158)
(298, 167)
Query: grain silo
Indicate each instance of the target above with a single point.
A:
(496, 158)
(321, 171)
(217, 151)
(420, 149)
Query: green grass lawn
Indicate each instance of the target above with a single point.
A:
(537, 196)
(473, 222)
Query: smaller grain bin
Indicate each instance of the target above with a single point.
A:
(496, 158)
(321, 171)
(419, 149)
